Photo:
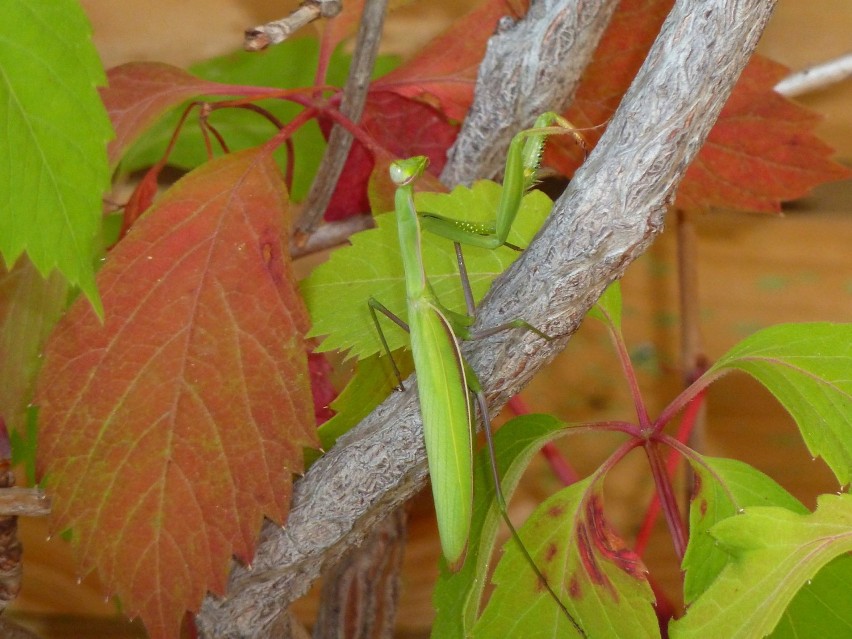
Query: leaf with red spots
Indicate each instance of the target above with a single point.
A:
(458, 594)
(169, 431)
(762, 150)
(722, 487)
(601, 582)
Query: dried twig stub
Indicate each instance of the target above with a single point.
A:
(275, 32)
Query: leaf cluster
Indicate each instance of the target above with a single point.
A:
(174, 400)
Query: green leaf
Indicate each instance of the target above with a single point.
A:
(336, 293)
(243, 129)
(821, 608)
(807, 367)
(722, 488)
(774, 552)
(24, 442)
(55, 132)
(601, 582)
(608, 307)
(457, 595)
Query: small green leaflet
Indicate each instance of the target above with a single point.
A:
(774, 552)
(608, 307)
(371, 383)
(722, 487)
(56, 128)
(336, 293)
(807, 367)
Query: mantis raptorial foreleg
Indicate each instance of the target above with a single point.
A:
(519, 175)
(445, 383)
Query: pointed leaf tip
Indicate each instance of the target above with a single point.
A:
(52, 117)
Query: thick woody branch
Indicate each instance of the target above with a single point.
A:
(531, 66)
(612, 211)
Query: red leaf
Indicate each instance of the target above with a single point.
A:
(402, 127)
(323, 392)
(445, 69)
(169, 431)
(761, 150)
(140, 92)
(142, 197)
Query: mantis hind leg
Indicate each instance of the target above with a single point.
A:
(482, 405)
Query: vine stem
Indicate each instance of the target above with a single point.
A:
(352, 107)
(559, 465)
(674, 457)
(666, 495)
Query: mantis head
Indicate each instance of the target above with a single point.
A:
(404, 172)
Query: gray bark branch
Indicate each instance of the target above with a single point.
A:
(531, 66)
(612, 211)
(26, 502)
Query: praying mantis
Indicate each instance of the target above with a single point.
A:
(444, 380)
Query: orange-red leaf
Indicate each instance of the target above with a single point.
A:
(140, 92)
(168, 432)
(760, 152)
(445, 69)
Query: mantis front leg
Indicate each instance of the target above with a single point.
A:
(522, 162)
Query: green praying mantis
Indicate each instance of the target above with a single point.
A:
(445, 382)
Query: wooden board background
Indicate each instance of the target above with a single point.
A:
(755, 271)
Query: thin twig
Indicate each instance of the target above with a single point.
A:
(275, 32)
(819, 76)
(332, 234)
(352, 106)
(24, 502)
(610, 214)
